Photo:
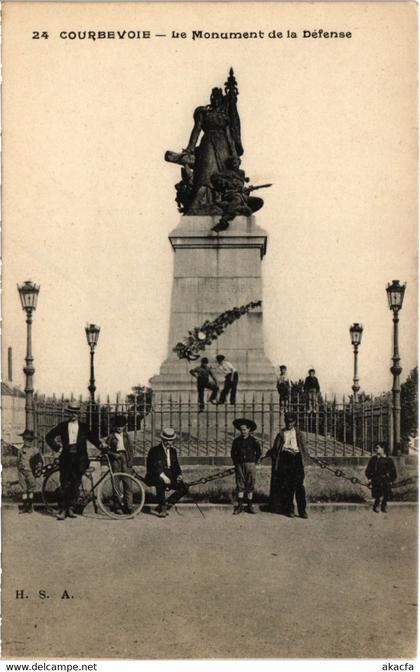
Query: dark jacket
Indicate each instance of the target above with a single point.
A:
(381, 469)
(283, 387)
(278, 444)
(157, 463)
(311, 384)
(84, 435)
(203, 374)
(245, 450)
(112, 444)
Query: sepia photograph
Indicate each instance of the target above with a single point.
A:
(209, 319)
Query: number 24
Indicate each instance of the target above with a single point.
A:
(36, 35)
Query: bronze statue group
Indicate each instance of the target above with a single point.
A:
(212, 182)
(163, 471)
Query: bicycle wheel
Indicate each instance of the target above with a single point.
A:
(115, 494)
(51, 491)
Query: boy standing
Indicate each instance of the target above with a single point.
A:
(283, 386)
(27, 461)
(381, 472)
(245, 454)
(312, 390)
(230, 383)
(121, 454)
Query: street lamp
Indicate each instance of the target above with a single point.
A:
(356, 331)
(28, 293)
(92, 335)
(395, 293)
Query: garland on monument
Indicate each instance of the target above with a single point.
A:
(200, 337)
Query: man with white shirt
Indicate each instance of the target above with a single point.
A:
(164, 472)
(73, 460)
(230, 374)
(287, 472)
(121, 454)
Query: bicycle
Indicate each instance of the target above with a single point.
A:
(106, 494)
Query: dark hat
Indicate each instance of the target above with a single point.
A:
(244, 421)
(73, 407)
(290, 417)
(168, 434)
(28, 434)
(119, 421)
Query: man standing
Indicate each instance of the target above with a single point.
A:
(73, 460)
(311, 389)
(164, 472)
(121, 453)
(287, 472)
(205, 381)
(230, 379)
(245, 454)
(27, 461)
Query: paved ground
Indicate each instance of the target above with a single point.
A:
(341, 584)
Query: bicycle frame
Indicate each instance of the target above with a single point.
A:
(115, 488)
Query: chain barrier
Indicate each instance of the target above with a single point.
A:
(212, 477)
(44, 470)
(339, 473)
(356, 481)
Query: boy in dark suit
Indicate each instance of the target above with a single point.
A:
(381, 472)
(164, 472)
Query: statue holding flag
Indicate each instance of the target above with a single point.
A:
(200, 191)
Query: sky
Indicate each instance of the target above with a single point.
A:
(89, 201)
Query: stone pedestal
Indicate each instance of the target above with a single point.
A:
(214, 272)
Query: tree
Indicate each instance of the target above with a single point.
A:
(296, 390)
(409, 406)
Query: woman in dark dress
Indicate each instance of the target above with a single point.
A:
(216, 146)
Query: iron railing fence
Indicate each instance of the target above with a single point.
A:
(332, 428)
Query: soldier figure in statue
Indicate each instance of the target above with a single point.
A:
(212, 183)
(235, 198)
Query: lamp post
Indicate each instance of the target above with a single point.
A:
(356, 331)
(28, 293)
(395, 293)
(92, 335)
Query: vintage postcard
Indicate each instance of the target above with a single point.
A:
(209, 393)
